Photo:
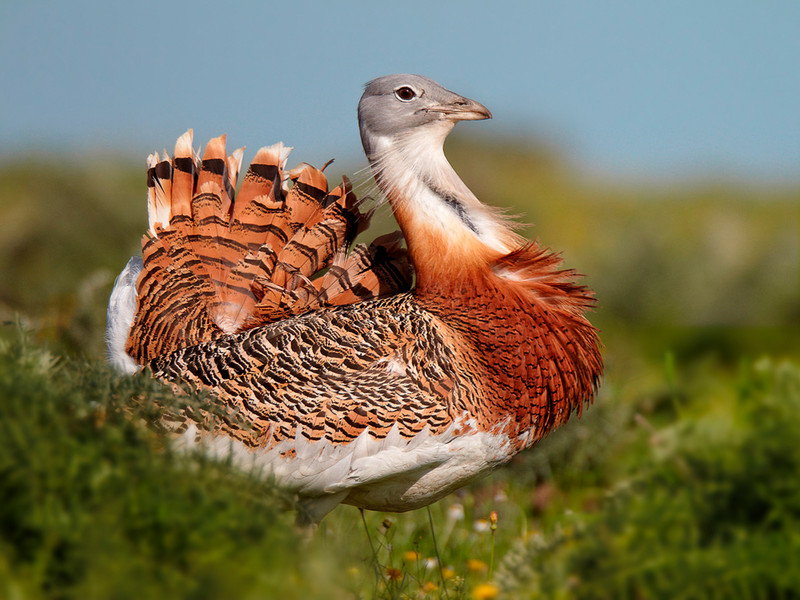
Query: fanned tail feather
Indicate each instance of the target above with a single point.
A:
(216, 263)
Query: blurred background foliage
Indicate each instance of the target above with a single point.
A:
(681, 480)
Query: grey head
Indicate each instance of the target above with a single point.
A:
(396, 104)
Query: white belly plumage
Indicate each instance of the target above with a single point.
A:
(389, 474)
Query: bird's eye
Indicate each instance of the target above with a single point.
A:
(405, 94)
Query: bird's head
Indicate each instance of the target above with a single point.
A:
(396, 105)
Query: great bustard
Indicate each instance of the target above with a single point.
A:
(346, 386)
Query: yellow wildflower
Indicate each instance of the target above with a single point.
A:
(429, 587)
(448, 573)
(476, 566)
(410, 556)
(485, 591)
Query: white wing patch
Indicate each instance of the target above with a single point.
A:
(120, 314)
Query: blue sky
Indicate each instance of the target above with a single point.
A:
(641, 88)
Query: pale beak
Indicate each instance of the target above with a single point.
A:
(462, 109)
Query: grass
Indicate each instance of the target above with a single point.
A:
(688, 491)
(708, 507)
(93, 499)
(680, 482)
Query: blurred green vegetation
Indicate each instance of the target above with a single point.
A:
(704, 503)
(65, 229)
(681, 480)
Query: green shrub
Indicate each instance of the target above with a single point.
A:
(95, 504)
(712, 509)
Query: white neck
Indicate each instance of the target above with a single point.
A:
(412, 170)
